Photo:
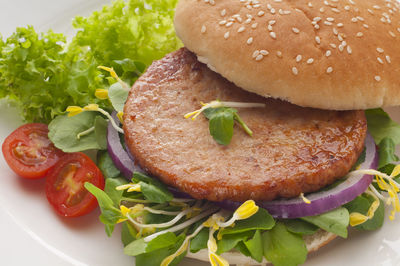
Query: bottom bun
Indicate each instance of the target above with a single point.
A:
(313, 243)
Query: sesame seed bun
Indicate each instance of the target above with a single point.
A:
(313, 243)
(325, 54)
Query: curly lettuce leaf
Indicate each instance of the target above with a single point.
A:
(44, 75)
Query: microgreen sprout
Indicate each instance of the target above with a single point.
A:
(115, 76)
(386, 184)
(307, 201)
(357, 218)
(221, 116)
(101, 94)
(75, 110)
(246, 210)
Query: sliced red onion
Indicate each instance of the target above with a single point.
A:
(118, 154)
(322, 201)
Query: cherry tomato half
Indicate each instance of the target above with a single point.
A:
(29, 152)
(65, 185)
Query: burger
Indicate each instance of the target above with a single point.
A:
(284, 86)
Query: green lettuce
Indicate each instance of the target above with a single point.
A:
(44, 75)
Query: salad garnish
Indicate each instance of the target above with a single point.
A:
(221, 116)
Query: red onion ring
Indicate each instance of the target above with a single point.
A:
(118, 154)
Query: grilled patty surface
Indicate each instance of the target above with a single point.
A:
(293, 149)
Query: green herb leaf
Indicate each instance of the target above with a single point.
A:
(199, 242)
(261, 220)
(386, 133)
(106, 165)
(221, 123)
(155, 257)
(63, 132)
(100, 132)
(386, 152)
(139, 246)
(335, 221)
(282, 247)
(361, 204)
(118, 95)
(255, 246)
(229, 241)
(109, 213)
(128, 233)
(110, 189)
(152, 189)
(300, 227)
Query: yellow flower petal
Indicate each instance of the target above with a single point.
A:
(170, 258)
(91, 107)
(216, 260)
(246, 210)
(120, 116)
(357, 218)
(101, 94)
(396, 171)
(74, 110)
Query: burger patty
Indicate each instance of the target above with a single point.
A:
(293, 149)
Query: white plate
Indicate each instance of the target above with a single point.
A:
(32, 234)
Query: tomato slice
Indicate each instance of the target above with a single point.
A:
(29, 152)
(65, 185)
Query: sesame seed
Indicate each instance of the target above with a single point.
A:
(250, 40)
(264, 52)
(376, 7)
(359, 34)
(256, 53)
(379, 50)
(295, 71)
(339, 25)
(271, 22)
(360, 18)
(241, 29)
(329, 70)
(316, 27)
(316, 19)
(226, 35)
(347, 8)
(354, 19)
(310, 61)
(340, 38)
(365, 26)
(279, 54)
(335, 10)
(398, 29)
(341, 47)
(261, 13)
(388, 59)
(228, 24)
(272, 11)
(254, 25)
(328, 53)
(269, 27)
(349, 50)
(259, 57)
(335, 31)
(273, 35)
(328, 23)
(333, 45)
(378, 78)
(379, 60)
(392, 34)
(203, 29)
(318, 39)
(295, 30)
(330, 19)
(247, 21)
(322, 10)
(223, 12)
(310, 4)
(222, 22)
(370, 11)
(298, 58)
